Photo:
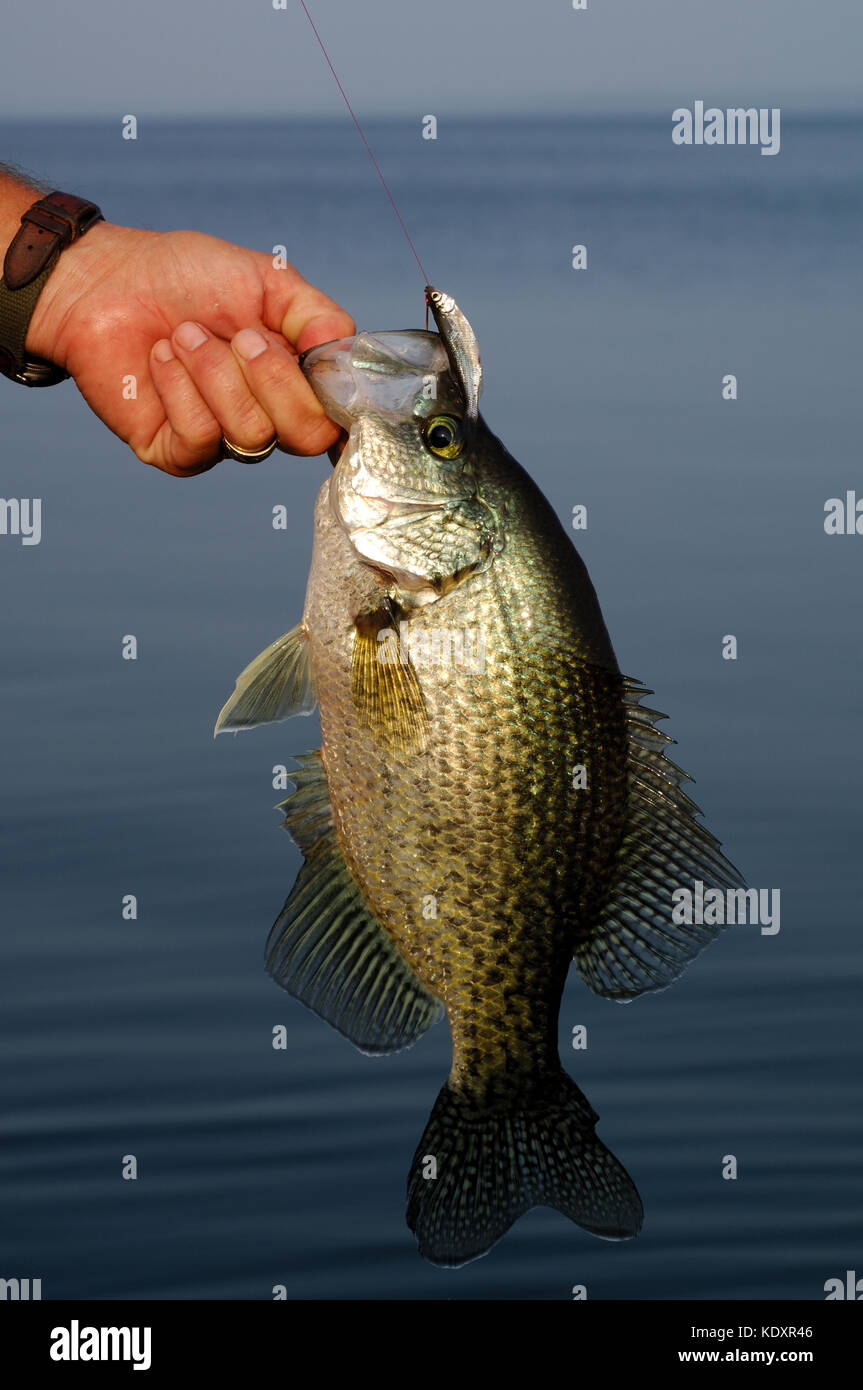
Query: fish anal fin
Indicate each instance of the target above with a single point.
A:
(328, 950)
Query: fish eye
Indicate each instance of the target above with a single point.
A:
(443, 435)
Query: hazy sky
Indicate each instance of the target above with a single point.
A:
(166, 57)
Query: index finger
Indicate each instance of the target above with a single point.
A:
(275, 380)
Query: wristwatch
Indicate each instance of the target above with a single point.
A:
(47, 228)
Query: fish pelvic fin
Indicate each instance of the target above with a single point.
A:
(636, 945)
(276, 685)
(477, 1170)
(385, 687)
(327, 949)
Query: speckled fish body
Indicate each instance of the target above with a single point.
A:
(490, 799)
(481, 825)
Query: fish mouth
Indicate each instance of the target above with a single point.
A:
(398, 374)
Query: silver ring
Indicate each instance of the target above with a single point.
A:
(233, 451)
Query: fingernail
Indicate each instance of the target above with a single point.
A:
(190, 336)
(163, 352)
(250, 344)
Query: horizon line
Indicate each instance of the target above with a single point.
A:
(199, 116)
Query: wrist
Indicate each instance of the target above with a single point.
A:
(49, 225)
(78, 268)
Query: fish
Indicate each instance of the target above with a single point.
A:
(491, 800)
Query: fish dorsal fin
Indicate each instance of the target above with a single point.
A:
(277, 684)
(328, 950)
(635, 946)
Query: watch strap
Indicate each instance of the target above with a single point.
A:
(51, 224)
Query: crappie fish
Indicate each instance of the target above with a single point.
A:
(490, 800)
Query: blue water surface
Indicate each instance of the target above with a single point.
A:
(259, 1167)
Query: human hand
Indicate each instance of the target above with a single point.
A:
(186, 314)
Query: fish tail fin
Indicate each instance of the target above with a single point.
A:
(478, 1169)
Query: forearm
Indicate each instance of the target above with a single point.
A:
(17, 194)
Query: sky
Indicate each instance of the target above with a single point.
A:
(444, 57)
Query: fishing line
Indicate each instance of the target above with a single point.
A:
(367, 145)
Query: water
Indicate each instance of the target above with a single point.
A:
(154, 1038)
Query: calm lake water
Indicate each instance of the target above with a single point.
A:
(705, 518)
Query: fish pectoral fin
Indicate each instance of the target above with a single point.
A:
(328, 950)
(635, 945)
(493, 1165)
(276, 685)
(385, 687)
